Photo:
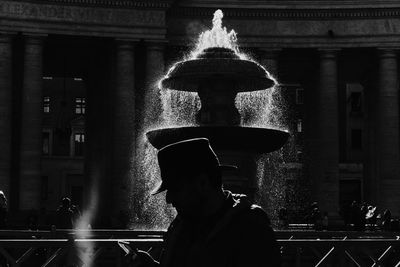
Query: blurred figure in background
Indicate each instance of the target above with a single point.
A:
(325, 221)
(315, 216)
(371, 217)
(386, 220)
(65, 215)
(357, 217)
(3, 210)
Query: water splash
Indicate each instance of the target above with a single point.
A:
(176, 109)
(151, 211)
(271, 185)
(261, 108)
(179, 108)
(218, 36)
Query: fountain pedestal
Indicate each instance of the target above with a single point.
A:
(218, 104)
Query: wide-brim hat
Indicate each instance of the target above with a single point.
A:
(180, 162)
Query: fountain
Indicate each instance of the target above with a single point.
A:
(218, 73)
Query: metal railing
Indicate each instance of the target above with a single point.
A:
(346, 252)
(100, 247)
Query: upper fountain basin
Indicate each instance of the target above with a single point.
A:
(251, 139)
(217, 64)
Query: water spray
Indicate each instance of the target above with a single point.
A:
(217, 92)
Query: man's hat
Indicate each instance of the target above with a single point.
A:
(179, 161)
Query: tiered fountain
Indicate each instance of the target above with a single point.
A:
(218, 73)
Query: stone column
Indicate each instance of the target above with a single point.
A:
(5, 112)
(31, 124)
(124, 126)
(154, 72)
(387, 156)
(325, 155)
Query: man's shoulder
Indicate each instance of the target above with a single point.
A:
(253, 226)
(254, 215)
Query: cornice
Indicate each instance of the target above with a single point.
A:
(109, 3)
(282, 9)
(287, 13)
(291, 4)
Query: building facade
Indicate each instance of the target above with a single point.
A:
(77, 75)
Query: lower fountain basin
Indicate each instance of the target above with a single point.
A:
(251, 139)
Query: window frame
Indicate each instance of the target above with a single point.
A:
(46, 104)
(74, 143)
(299, 96)
(80, 105)
(50, 148)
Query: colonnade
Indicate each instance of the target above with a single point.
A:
(325, 151)
(324, 141)
(30, 124)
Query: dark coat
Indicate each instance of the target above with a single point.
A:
(238, 235)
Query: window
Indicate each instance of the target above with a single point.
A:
(46, 104)
(79, 143)
(46, 143)
(355, 102)
(299, 96)
(299, 126)
(356, 139)
(80, 105)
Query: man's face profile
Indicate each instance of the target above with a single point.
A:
(186, 196)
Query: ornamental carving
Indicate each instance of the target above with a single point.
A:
(79, 14)
(340, 13)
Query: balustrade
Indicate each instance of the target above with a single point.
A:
(299, 248)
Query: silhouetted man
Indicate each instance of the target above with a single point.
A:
(213, 227)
